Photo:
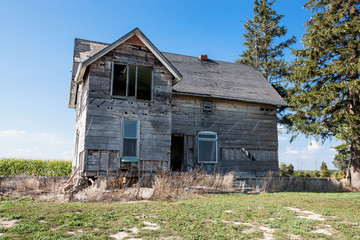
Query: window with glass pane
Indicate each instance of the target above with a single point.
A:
(130, 138)
(119, 80)
(207, 147)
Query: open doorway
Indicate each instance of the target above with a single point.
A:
(177, 152)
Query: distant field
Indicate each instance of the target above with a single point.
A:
(231, 216)
(11, 167)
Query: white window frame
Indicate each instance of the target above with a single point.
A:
(137, 137)
(205, 109)
(208, 140)
(127, 81)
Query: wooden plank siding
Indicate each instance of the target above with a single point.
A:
(80, 124)
(241, 127)
(105, 114)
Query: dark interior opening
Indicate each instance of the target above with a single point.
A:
(177, 153)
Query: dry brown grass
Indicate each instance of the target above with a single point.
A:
(39, 188)
(164, 185)
(167, 184)
(272, 183)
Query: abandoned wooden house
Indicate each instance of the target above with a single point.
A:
(139, 108)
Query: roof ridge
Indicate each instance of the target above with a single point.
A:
(173, 53)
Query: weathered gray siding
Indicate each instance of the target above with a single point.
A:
(241, 127)
(80, 124)
(105, 115)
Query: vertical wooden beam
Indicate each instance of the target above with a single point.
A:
(108, 161)
(151, 166)
(85, 160)
(98, 158)
(186, 152)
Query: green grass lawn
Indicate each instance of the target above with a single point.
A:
(231, 216)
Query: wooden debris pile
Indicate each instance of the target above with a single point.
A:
(75, 184)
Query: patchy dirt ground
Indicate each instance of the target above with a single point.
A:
(232, 216)
(247, 228)
(322, 229)
(268, 232)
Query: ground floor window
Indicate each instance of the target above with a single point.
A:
(207, 147)
(130, 138)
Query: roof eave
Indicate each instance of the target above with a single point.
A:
(231, 98)
(82, 66)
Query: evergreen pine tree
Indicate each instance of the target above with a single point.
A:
(262, 47)
(324, 171)
(325, 79)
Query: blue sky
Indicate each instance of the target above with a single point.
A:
(37, 39)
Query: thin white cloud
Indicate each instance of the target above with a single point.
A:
(281, 129)
(283, 138)
(305, 155)
(290, 151)
(35, 145)
(11, 134)
(313, 146)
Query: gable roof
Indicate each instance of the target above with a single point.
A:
(218, 79)
(82, 66)
(208, 78)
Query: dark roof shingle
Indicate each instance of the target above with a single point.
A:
(222, 79)
(213, 78)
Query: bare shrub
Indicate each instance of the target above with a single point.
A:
(93, 193)
(228, 181)
(164, 185)
(32, 184)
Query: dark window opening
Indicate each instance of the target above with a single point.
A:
(144, 83)
(119, 80)
(267, 109)
(132, 81)
(207, 106)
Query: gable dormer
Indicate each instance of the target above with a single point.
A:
(121, 70)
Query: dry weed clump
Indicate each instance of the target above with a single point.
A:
(164, 185)
(38, 188)
(272, 183)
(168, 184)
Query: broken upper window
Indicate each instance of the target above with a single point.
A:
(207, 147)
(132, 81)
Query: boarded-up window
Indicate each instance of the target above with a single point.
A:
(207, 147)
(130, 138)
(132, 81)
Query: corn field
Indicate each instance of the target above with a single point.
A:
(11, 167)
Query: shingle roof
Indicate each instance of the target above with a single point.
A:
(223, 80)
(143, 38)
(209, 78)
